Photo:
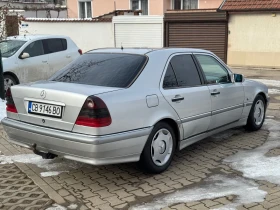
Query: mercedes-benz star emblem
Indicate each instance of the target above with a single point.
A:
(43, 94)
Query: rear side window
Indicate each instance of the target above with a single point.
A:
(102, 69)
(185, 71)
(170, 80)
(54, 45)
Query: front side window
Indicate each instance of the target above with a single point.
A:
(214, 71)
(10, 47)
(54, 45)
(85, 9)
(185, 4)
(102, 69)
(140, 5)
(34, 49)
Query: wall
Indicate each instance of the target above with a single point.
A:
(254, 40)
(156, 7)
(99, 7)
(167, 5)
(87, 35)
(72, 8)
(209, 4)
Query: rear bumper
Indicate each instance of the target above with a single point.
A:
(95, 150)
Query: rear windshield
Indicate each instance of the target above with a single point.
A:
(102, 69)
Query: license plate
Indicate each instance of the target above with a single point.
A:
(45, 109)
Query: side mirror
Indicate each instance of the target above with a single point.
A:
(24, 55)
(239, 78)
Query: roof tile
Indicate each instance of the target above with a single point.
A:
(231, 5)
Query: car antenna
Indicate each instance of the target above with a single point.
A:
(121, 47)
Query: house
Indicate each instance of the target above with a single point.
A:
(253, 33)
(93, 8)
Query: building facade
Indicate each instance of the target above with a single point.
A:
(253, 33)
(94, 8)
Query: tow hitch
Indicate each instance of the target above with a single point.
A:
(43, 154)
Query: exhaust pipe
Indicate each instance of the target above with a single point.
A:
(43, 154)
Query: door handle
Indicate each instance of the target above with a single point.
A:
(68, 56)
(178, 98)
(44, 61)
(215, 93)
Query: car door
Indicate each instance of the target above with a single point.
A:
(35, 66)
(56, 48)
(227, 97)
(183, 89)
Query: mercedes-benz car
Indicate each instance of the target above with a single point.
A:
(132, 105)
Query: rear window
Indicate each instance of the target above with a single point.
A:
(102, 69)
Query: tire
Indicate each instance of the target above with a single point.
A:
(9, 81)
(159, 149)
(257, 114)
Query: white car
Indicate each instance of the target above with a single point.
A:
(31, 58)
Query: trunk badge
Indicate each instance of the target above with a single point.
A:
(43, 121)
(43, 94)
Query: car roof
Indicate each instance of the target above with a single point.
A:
(144, 51)
(34, 37)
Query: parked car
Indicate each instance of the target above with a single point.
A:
(127, 105)
(35, 57)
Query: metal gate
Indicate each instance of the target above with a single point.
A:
(138, 31)
(197, 29)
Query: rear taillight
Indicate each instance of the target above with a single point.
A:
(94, 113)
(10, 105)
(80, 51)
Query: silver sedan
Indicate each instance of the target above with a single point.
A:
(127, 105)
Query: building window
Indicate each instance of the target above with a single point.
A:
(140, 5)
(85, 9)
(185, 4)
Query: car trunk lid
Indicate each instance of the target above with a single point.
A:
(69, 97)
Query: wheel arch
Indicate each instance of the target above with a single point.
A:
(12, 75)
(176, 127)
(264, 96)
